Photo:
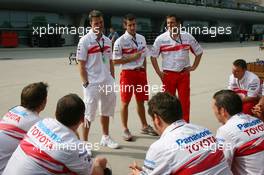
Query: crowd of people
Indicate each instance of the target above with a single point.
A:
(31, 145)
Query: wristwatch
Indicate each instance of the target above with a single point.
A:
(85, 84)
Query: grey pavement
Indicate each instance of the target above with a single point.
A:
(21, 66)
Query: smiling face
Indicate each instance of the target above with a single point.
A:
(97, 24)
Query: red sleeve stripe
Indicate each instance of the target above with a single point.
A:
(93, 48)
(41, 156)
(129, 51)
(11, 128)
(199, 164)
(251, 147)
(164, 47)
(96, 49)
(168, 48)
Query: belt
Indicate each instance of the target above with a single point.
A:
(136, 69)
(170, 71)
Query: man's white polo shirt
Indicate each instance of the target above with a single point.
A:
(13, 127)
(97, 56)
(175, 53)
(249, 85)
(185, 148)
(50, 148)
(243, 139)
(126, 45)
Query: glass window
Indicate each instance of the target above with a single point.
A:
(143, 24)
(117, 22)
(4, 19)
(42, 19)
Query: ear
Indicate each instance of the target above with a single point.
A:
(157, 120)
(124, 24)
(223, 113)
(46, 100)
(82, 119)
(43, 105)
(80, 122)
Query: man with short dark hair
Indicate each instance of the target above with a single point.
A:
(17, 121)
(130, 51)
(246, 84)
(174, 46)
(51, 146)
(183, 148)
(97, 74)
(241, 135)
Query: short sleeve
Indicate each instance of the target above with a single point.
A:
(117, 51)
(82, 49)
(196, 48)
(155, 50)
(231, 83)
(254, 88)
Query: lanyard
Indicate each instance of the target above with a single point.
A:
(101, 46)
(101, 49)
(180, 42)
(134, 41)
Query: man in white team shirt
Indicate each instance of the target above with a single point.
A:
(52, 147)
(17, 121)
(174, 46)
(130, 51)
(183, 148)
(246, 84)
(241, 135)
(97, 72)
